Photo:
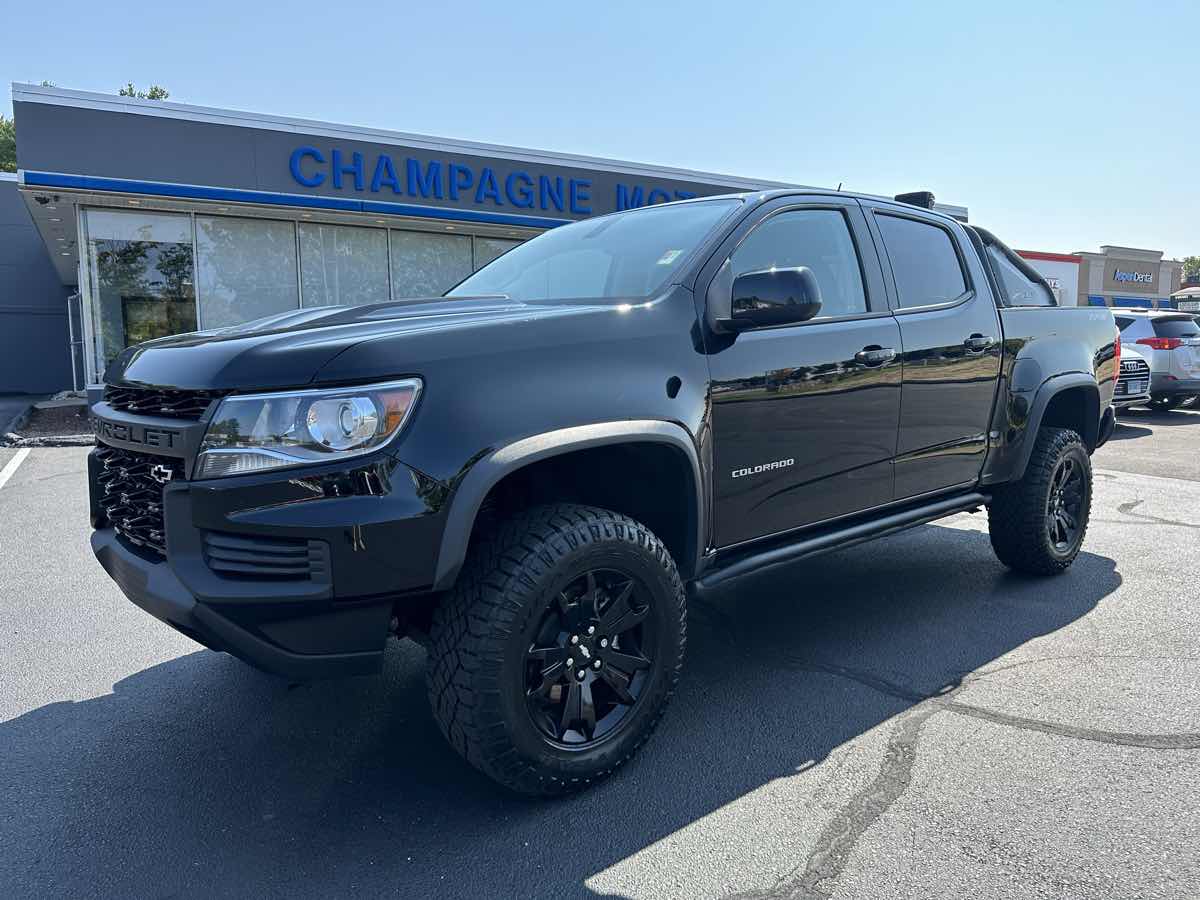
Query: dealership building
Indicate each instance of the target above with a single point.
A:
(1116, 276)
(151, 218)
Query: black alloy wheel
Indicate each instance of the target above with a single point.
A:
(558, 650)
(591, 659)
(1064, 505)
(1037, 524)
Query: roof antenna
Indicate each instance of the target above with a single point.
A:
(839, 186)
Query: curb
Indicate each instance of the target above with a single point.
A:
(56, 440)
(18, 421)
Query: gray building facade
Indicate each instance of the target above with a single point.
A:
(34, 337)
(169, 218)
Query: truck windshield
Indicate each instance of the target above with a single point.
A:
(627, 255)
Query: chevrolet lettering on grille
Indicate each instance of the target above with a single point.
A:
(136, 434)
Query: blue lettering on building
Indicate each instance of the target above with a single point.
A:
(428, 182)
(298, 157)
(488, 189)
(436, 179)
(550, 193)
(580, 195)
(518, 188)
(385, 174)
(338, 168)
(633, 196)
(460, 178)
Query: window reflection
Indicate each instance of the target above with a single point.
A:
(141, 273)
(488, 248)
(246, 269)
(342, 264)
(425, 264)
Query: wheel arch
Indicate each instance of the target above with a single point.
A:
(490, 472)
(1066, 401)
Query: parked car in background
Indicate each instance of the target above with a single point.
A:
(1133, 383)
(1170, 341)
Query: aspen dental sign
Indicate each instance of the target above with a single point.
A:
(1128, 276)
(499, 185)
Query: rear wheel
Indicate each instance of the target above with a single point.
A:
(1038, 524)
(555, 656)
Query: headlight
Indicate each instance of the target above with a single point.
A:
(255, 432)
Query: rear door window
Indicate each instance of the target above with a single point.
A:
(924, 261)
(1183, 327)
(1019, 288)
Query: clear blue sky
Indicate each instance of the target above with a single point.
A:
(1062, 126)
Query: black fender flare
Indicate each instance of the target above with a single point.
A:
(469, 495)
(1050, 389)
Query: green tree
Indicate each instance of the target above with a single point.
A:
(8, 145)
(1191, 267)
(156, 92)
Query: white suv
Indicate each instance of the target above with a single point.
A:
(1170, 342)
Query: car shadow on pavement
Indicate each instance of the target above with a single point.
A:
(201, 776)
(1126, 431)
(1170, 417)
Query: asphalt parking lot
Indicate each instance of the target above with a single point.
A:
(902, 719)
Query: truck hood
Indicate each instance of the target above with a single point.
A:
(290, 349)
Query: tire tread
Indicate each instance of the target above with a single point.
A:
(1016, 514)
(492, 598)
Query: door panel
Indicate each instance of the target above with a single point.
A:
(946, 404)
(805, 416)
(950, 331)
(797, 397)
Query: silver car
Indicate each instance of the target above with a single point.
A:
(1133, 382)
(1170, 342)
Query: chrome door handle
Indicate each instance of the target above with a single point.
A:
(875, 356)
(977, 343)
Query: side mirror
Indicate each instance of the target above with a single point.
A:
(773, 297)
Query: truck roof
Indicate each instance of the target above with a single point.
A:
(811, 192)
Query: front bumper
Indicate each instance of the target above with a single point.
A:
(373, 531)
(1121, 402)
(355, 637)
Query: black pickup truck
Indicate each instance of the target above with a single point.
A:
(531, 474)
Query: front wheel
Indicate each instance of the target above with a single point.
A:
(1038, 524)
(554, 657)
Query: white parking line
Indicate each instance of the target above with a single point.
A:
(13, 464)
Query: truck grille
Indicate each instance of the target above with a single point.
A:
(131, 494)
(160, 402)
(251, 557)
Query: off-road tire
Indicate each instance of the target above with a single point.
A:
(480, 631)
(1164, 404)
(1017, 514)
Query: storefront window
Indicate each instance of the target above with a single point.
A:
(342, 264)
(141, 278)
(425, 264)
(246, 269)
(487, 249)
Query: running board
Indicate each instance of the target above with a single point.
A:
(837, 539)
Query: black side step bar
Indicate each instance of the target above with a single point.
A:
(837, 539)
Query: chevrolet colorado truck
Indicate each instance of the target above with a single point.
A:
(531, 474)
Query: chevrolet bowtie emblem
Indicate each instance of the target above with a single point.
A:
(161, 474)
